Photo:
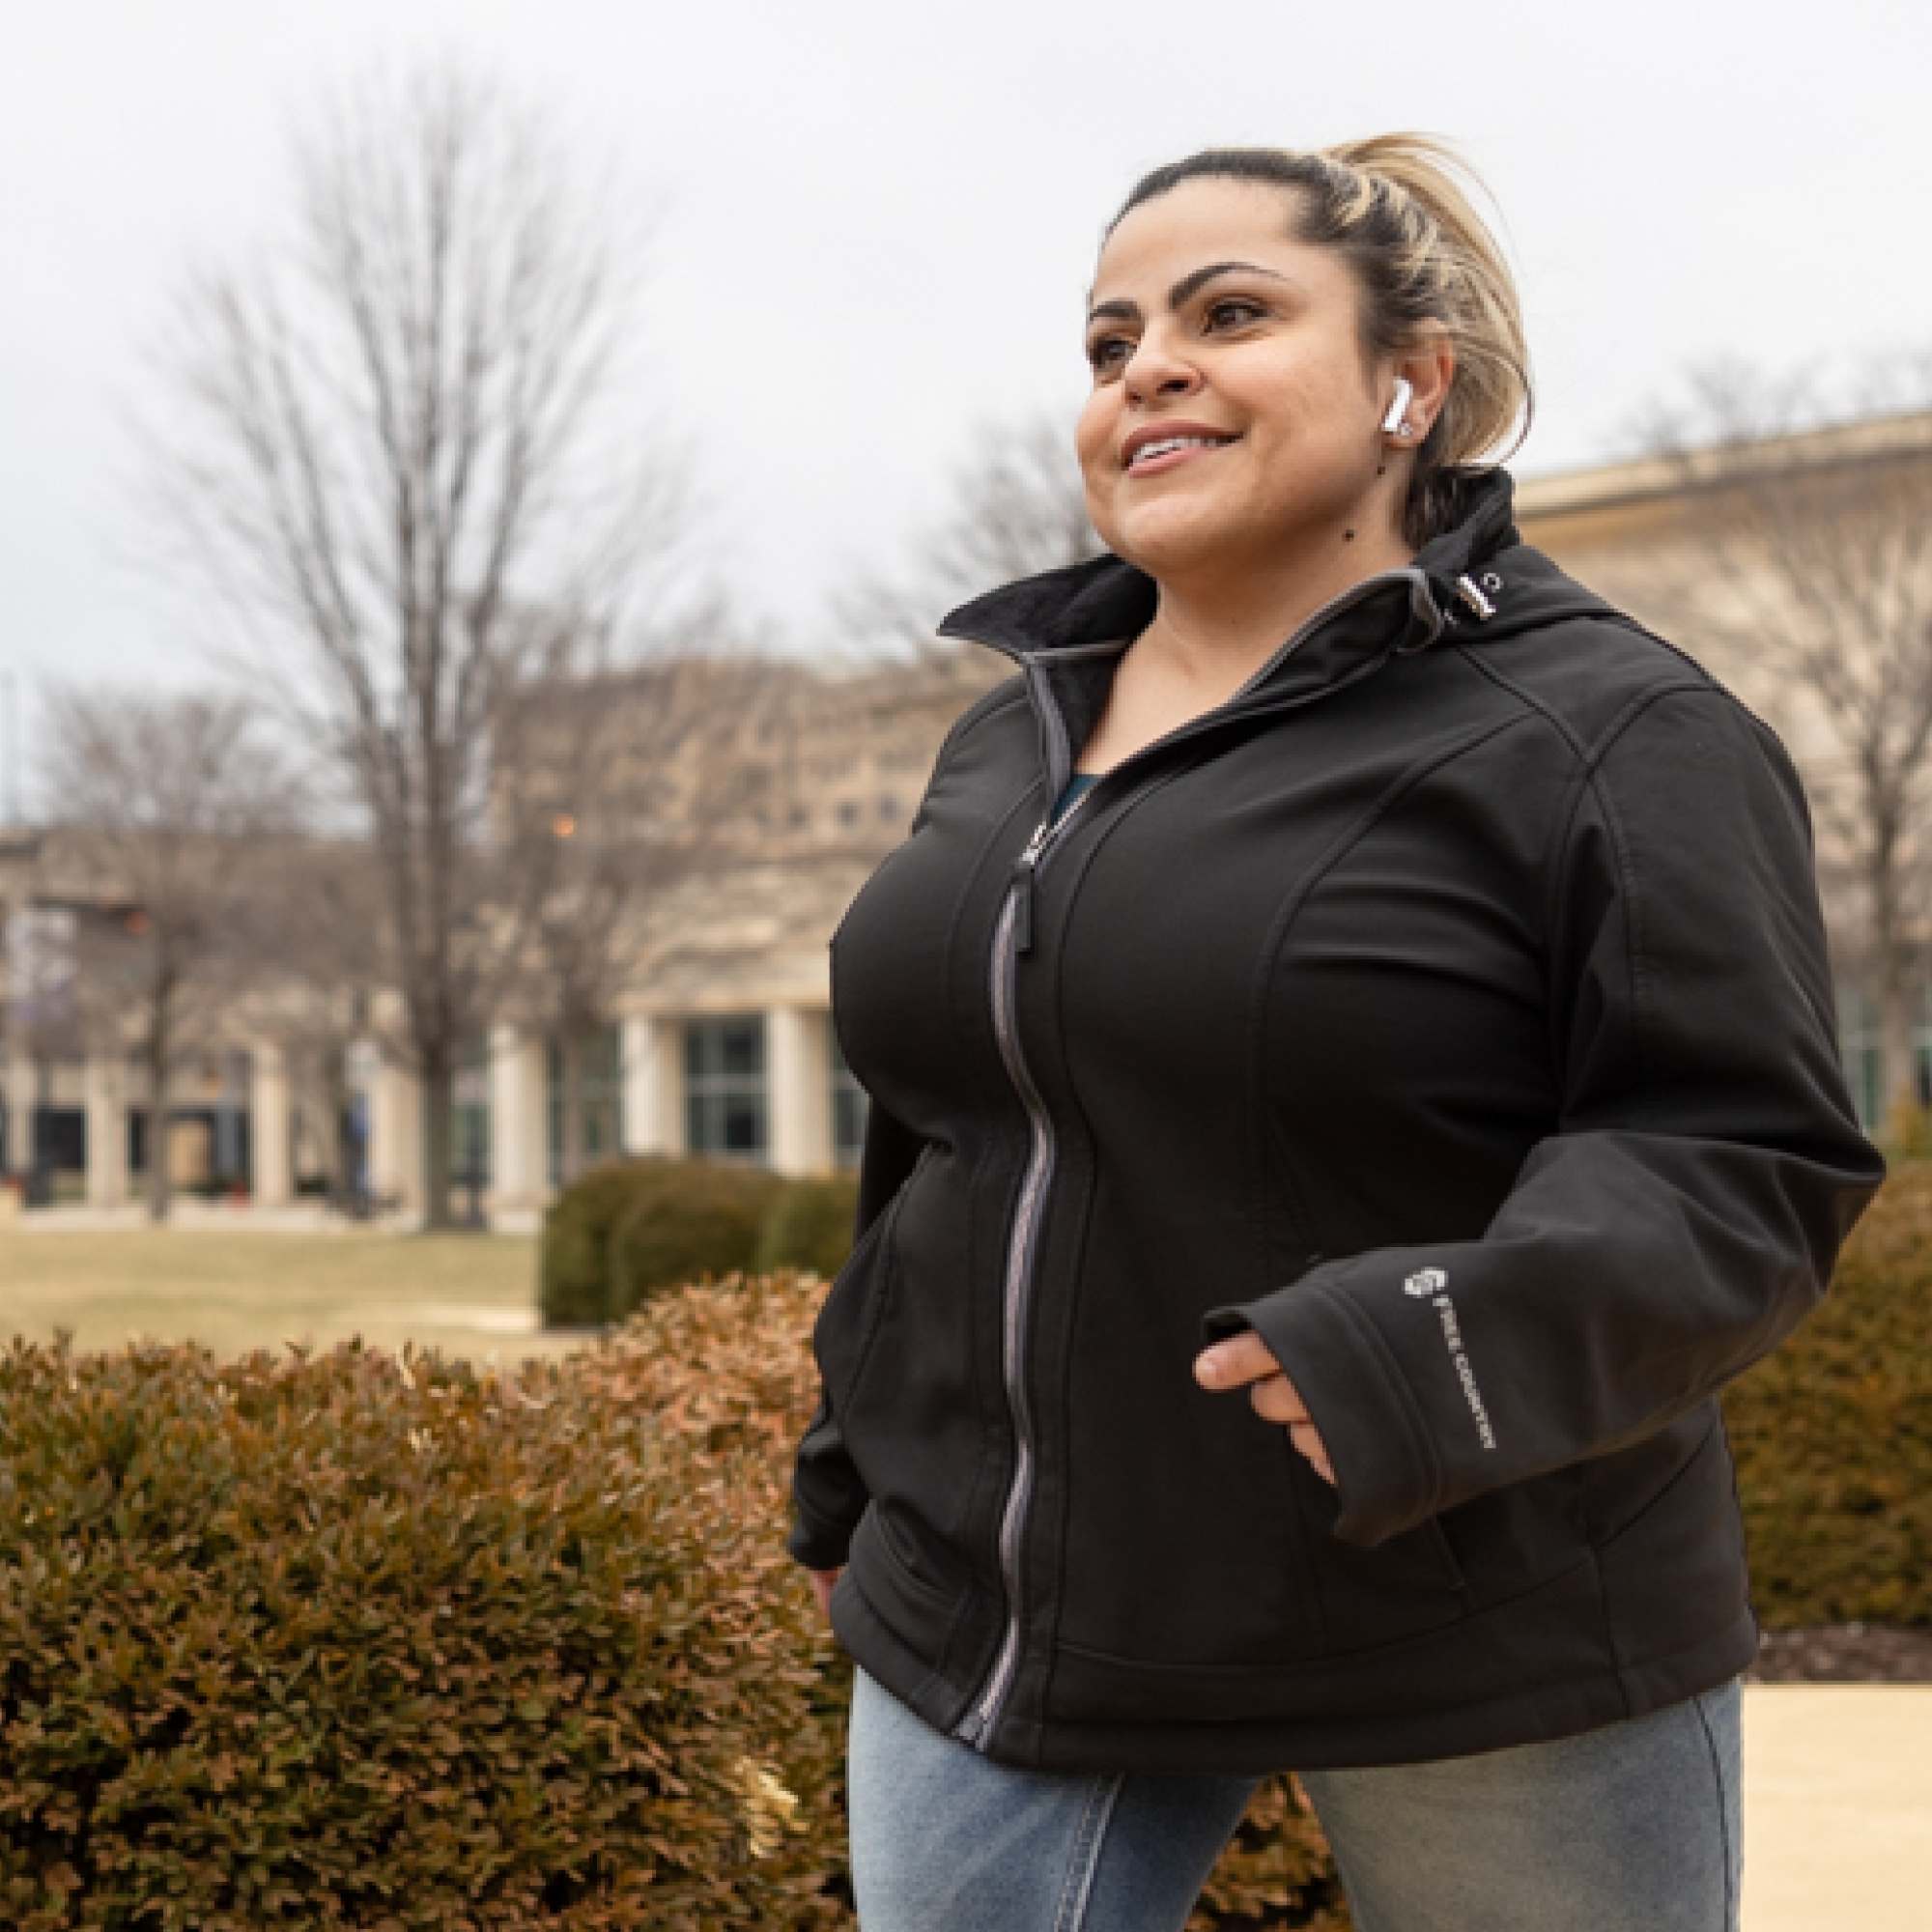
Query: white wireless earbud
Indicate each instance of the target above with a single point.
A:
(1400, 406)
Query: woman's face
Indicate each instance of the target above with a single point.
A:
(1211, 324)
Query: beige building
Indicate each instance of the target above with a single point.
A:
(719, 1038)
(718, 1041)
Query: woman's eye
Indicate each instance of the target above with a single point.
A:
(1232, 312)
(1109, 351)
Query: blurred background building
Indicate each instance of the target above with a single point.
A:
(700, 826)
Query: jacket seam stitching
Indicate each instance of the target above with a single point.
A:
(1558, 841)
(1276, 938)
(1108, 828)
(1077, 1274)
(981, 711)
(1627, 879)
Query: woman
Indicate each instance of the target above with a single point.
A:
(1354, 947)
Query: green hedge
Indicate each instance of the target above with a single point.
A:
(809, 1226)
(631, 1228)
(574, 1267)
(686, 1221)
(1833, 1434)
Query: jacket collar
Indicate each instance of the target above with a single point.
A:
(1066, 628)
(1101, 605)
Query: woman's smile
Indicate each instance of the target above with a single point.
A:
(1159, 448)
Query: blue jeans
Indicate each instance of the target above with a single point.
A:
(1634, 1828)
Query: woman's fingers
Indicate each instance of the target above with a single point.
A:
(1309, 1445)
(1246, 1361)
(1235, 1363)
(1277, 1400)
(823, 1582)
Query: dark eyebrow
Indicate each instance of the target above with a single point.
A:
(1192, 285)
(1187, 286)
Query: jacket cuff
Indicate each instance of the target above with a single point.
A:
(1388, 1476)
(819, 1545)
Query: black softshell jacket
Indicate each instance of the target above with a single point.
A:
(1451, 1008)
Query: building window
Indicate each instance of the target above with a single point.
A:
(725, 1106)
(848, 1110)
(1858, 1046)
(470, 1118)
(603, 1098)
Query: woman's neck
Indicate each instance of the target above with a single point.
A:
(1219, 628)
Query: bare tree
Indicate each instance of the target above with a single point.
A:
(1807, 564)
(173, 797)
(607, 792)
(394, 442)
(1018, 508)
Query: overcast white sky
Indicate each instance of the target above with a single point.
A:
(879, 217)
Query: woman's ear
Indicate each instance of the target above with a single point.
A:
(1426, 370)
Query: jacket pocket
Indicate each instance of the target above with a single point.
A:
(1421, 1555)
(1406, 1585)
(849, 1325)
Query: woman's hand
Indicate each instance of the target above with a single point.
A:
(822, 1581)
(1246, 1361)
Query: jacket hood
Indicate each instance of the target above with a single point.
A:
(1477, 581)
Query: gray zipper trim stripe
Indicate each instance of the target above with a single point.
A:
(1017, 1280)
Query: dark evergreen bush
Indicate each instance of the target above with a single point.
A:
(574, 1267)
(688, 1221)
(809, 1226)
(1833, 1434)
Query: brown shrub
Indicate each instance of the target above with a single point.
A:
(358, 1642)
(730, 1368)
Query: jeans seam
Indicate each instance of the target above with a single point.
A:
(1088, 1841)
(1724, 1811)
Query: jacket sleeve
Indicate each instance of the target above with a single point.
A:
(1687, 1213)
(827, 1488)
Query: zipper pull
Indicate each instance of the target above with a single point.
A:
(1023, 871)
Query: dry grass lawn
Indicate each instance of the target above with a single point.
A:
(467, 1295)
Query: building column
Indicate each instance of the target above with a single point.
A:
(106, 1101)
(16, 1071)
(395, 1136)
(653, 1053)
(798, 1088)
(22, 1095)
(518, 1120)
(270, 1149)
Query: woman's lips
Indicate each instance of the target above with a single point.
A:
(1156, 455)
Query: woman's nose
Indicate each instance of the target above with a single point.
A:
(1156, 370)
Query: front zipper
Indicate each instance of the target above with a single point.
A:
(1013, 936)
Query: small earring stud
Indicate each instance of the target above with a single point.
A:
(1406, 432)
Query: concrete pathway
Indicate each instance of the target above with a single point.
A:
(1837, 1807)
